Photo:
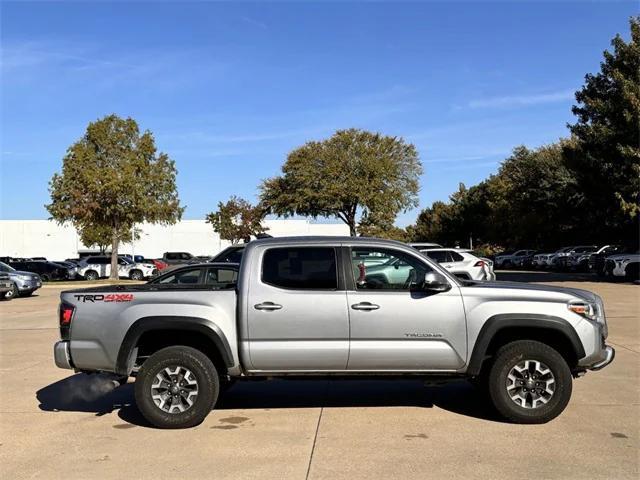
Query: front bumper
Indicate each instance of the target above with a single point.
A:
(29, 285)
(610, 354)
(62, 355)
(599, 360)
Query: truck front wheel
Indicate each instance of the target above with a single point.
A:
(177, 387)
(529, 382)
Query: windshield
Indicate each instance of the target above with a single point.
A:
(6, 268)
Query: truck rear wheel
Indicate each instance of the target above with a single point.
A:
(529, 382)
(177, 387)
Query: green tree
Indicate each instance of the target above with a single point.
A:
(605, 157)
(535, 200)
(113, 178)
(237, 220)
(353, 172)
(390, 232)
(98, 235)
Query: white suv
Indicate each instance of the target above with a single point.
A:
(624, 265)
(462, 263)
(93, 268)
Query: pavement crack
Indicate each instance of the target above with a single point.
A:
(315, 437)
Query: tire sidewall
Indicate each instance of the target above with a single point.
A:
(208, 387)
(506, 359)
(136, 273)
(13, 293)
(91, 275)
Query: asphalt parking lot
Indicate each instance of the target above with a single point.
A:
(54, 424)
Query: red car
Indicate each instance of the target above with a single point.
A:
(160, 265)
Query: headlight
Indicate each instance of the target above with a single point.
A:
(593, 311)
(24, 277)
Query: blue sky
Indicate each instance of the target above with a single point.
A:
(229, 88)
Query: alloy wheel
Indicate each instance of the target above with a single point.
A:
(530, 384)
(174, 389)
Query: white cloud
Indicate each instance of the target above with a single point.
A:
(522, 100)
(255, 23)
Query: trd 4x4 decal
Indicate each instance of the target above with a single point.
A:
(111, 297)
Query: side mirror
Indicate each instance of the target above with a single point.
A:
(435, 282)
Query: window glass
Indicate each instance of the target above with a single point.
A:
(456, 257)
(221, 277)
(302, 268)
(99, 260)
(171, 256)
(438, 256)
(233, 256)
(399, 272)
(183, 277)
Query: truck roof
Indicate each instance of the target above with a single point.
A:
(320, 239)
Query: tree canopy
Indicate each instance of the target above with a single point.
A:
(111, 179)
(582, 189)
(354, 172)
(237, 220)
(605, 156)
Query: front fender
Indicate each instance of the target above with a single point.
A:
(522, 320)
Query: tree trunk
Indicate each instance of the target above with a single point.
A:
(114, 257)
(352, 228)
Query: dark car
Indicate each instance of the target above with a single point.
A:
(46, 270)
(177, 258)
(214, 276)
(597, 260)
(232, 254)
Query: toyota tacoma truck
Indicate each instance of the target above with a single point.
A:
(316, 306)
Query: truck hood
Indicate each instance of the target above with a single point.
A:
(530, 287)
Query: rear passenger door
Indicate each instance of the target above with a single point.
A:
(297, 310)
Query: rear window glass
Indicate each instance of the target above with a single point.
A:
(183, 277)
(304, 268)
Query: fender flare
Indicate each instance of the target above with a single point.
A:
(128, 349)
(526, 320)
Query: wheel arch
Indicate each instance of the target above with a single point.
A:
(163, 331)
(504, 328)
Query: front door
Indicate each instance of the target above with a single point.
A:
(396, 327)
(297, 313)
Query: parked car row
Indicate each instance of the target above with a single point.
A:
(605, 260)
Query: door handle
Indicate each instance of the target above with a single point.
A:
(268, 306)
(366, 306)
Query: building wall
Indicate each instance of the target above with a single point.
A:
(44, 238)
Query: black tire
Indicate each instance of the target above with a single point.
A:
(14, 293)
(91, 275)
(44, 277)
(507, 358)
(205, 373)
(136, 275)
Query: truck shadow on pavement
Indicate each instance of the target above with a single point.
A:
(93, 394)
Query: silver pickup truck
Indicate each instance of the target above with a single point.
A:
(328, 306)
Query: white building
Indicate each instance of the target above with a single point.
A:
(45, 238)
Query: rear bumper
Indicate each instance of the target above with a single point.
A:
(62, 355)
